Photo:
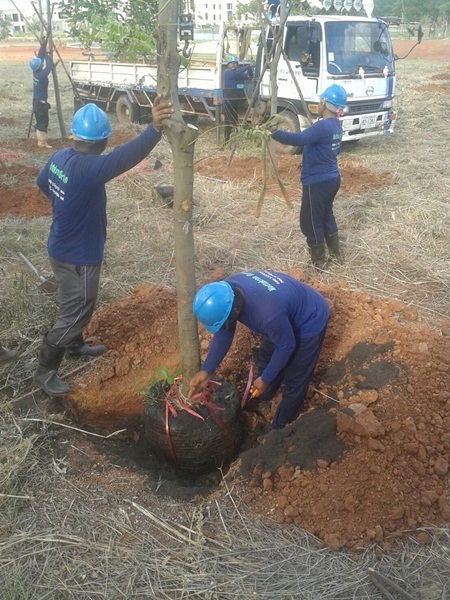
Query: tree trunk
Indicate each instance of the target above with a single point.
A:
(182, 139)
(62, 126)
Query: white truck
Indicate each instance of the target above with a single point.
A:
(355, 52)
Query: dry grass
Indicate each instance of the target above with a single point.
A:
(64, 545)
(55, 539)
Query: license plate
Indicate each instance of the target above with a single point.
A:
(368, 122)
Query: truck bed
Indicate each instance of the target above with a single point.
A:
(126, 75)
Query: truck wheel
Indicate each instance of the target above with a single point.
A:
(288, 121)
(126, 111)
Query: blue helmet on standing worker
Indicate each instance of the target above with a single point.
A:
(335, 95)
(35, 63)
(90, 124)
(212, 305)
(233, 59)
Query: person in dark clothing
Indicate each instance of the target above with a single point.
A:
(291, 318)
(234, 77)
(320, 176)
(74, 180)
(41, 67)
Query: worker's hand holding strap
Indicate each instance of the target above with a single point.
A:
(198, 383)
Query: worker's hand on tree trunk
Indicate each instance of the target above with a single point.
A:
(198, 383)
(161, 109)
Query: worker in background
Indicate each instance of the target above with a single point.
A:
(74, 180)
(41, 67)
(7, 356)
(320, 177)
(291, 318)
(234, 77)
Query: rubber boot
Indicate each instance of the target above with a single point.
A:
(79, 348)
(42, 139)
(334, 247)
(318, 256)
(7, 356)
(45, 376)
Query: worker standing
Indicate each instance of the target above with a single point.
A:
(290, 316)
(234, 78)
(74, 180)
(41, 67)
(320, 175)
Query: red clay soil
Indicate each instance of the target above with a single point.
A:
(19, 195)
(434, 49)
(367, 461)
(355, 177)
(24, 198)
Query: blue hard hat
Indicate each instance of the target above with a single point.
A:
(90, 123)
(212, 305)
(35, 63)
(233, 59)
(336, 95)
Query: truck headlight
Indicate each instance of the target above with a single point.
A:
(387, 104)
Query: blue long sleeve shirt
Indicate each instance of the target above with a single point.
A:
(75, 184)
(275, 305)
(40, 77)
(233, 77)
(321, 144)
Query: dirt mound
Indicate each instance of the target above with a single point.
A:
(19, 195)
(355, 177)
(369, 458)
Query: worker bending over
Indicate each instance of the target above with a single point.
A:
(290, 316)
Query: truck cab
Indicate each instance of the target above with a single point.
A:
(354, 52)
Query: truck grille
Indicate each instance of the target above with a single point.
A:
(358, 108)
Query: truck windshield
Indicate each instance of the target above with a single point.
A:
(351, 45)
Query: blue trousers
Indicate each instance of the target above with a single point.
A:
(296, 376)
(316, 212)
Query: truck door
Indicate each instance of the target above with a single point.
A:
(302, 45)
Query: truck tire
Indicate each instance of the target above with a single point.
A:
(126, 111)
(288, 121)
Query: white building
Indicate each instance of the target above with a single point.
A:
(213, 12)
(22, 14)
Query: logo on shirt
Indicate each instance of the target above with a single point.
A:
(59, 173)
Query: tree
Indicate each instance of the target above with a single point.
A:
(5, 26)
(124, 29)
(413, 11)
(182, 139)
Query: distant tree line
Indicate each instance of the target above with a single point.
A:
(427, 11)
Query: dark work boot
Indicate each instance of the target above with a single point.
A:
(318, 256)
(79, 348)
(334, 247)
(45, 376)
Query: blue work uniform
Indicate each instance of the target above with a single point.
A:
(75, 184)
(233, 79)
(320, 178)
(291, 317)
(40, 89)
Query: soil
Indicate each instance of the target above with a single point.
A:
(429, 49)
(368, 459)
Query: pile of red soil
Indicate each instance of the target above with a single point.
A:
(366, 462)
